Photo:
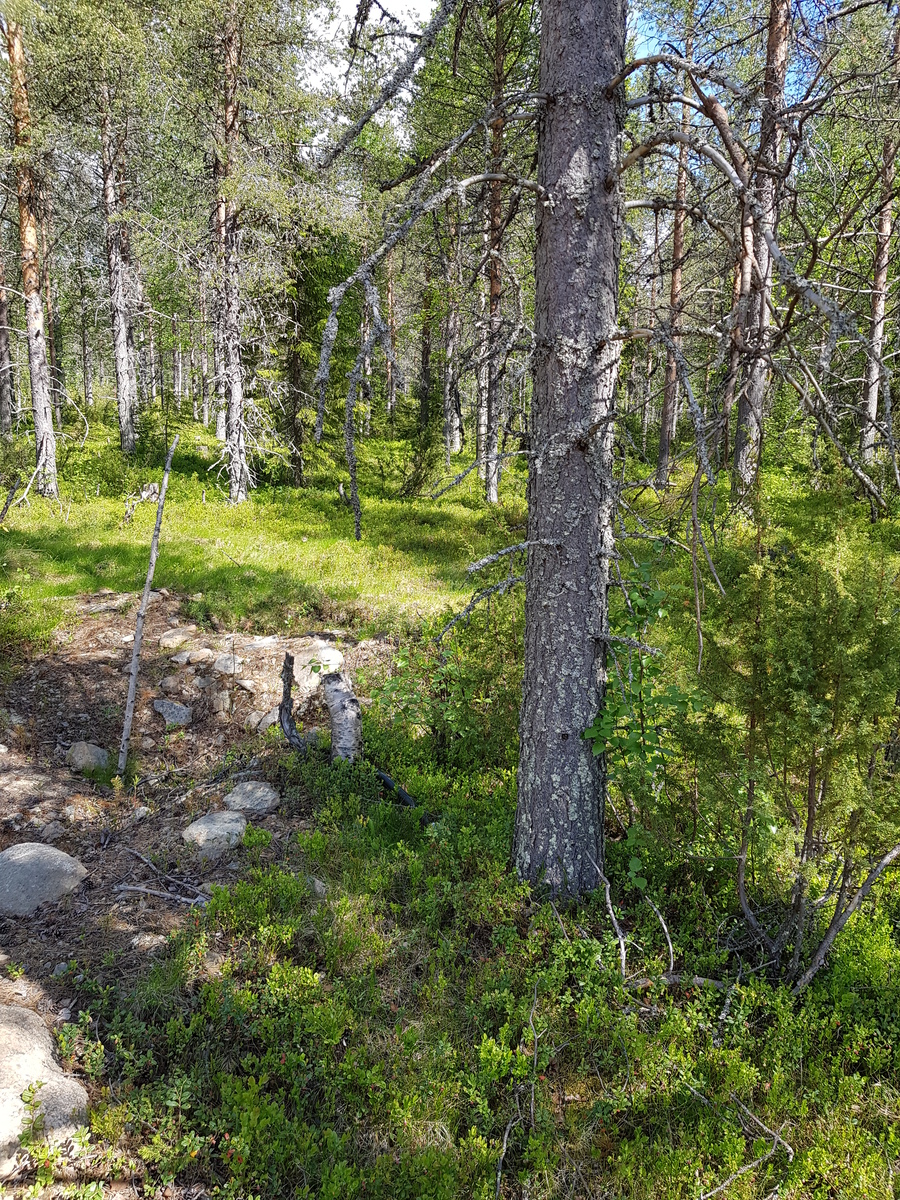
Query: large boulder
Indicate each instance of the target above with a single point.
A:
(32, 874)
(26, 1058)
(85, 756)
(215, 833)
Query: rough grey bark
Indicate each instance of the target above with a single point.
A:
(123, 338)
(38, 364)
(219, 371)
(204, 360)
(346, 717)
(872, 385)
(571, 492)
(748, 436)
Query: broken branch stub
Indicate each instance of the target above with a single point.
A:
(346, 717)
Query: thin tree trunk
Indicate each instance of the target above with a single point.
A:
(219, 369)
(452, 432)
(872, 385)
(177, 386)
(481, 382)
(392, 333)
(647, 408)
(748, 436)
(204, 359)
(669, 418)
(87, 367)
(739, 301)
(226, 225)
(151, 343)
(123, 337)
(571, 491)
(495, 282)
(6, 371)
(425, 377)
(44, 436)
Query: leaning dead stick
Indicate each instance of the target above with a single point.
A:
(142, 613)
(9, 498)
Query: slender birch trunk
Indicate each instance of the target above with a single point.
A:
(392, 332)
(204, 360)
(38, 365)
(571, 487)
(123, 337)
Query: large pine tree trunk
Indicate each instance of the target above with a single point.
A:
(6, 371)
(123, 337)
(571, 489)
(748, 436)
(38, 365)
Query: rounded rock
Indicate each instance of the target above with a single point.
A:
(253, 796)
(32, 874)
(85, 756)
(215, 833)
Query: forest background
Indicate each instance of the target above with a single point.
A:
(660, 961)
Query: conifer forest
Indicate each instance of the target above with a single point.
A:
(449, 600)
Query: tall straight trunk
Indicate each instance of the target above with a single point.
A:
(481, 374)
(453, 285)
(87, 365)
(50, 324)
(204, 359)
(740, 297)
(192, 378)
(151, 351)
(495, 281)
(38, 365)
(571, 487)
(872, 385)
(392, 333)
(748, 436)
(219, 369)
(425, 376)
(123, 336)
(647, 407)
(226, 227)
(177, 383)
(669, 418)
(6, 367)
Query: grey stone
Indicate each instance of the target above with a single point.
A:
(221, 702)
(216, 832)
(148, 941)
(228, 664)
(247, 685)
(179, 636)
(52, 830)
(171, 683)
(270, 719)
(32, 874)
(60, 969)
(253, 796)
(26, 1058)
(140, 812)
(147, 743)
(4, 749)
(173, 713)
(85, 756)
(319, 889)
(253, 720)
(202, 655)
(182, 658)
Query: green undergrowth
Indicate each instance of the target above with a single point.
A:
(429, 1027)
